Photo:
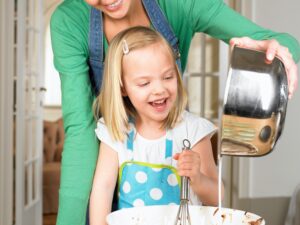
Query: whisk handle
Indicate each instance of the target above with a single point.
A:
(184, 191)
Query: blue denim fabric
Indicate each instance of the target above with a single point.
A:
(161, 24)
(96, 59)
(96, 56)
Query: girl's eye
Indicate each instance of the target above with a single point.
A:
(143, 84)
(169, 77)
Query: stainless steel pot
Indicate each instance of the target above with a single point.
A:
(255, 104)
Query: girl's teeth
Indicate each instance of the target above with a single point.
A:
(158, 102)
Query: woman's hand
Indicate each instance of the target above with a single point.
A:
(189, 165)
(272, 49)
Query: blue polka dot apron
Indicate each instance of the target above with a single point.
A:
(144, 184)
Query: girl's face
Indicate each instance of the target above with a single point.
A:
(150, 82)
(115, 9)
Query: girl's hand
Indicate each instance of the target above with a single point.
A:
(189, 165)
(272, 49)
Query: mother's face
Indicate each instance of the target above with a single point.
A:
(115, 9)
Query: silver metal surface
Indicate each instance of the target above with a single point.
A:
(255, 104)
(183, 214)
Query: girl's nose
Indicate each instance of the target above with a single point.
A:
(158, 87)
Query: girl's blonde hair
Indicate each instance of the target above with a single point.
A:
(117, 109)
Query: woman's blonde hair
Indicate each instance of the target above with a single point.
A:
(117, 109)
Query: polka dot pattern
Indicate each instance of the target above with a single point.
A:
(138, 203)
(156, 169)
(141, 177)
(142, 185)
(172, 180)
(126, 187)
(156, 194)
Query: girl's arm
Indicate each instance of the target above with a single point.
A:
(200, 167)
(104, 183)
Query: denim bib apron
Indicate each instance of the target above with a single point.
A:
(144, 184)
(96, 51)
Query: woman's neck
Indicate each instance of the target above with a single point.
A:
(136, 16)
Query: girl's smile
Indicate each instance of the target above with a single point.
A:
(159, 105)
(150, 82)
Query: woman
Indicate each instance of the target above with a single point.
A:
(80, 35)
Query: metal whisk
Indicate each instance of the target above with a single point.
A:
(183, 215)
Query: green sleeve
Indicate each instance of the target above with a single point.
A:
(217, 19)
(81, 145)
(80, 149)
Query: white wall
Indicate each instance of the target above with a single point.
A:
(52, 82)
(277, 174)
(52, 100)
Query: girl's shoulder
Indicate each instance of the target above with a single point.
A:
(191, 119)
(103, 135)
(193, 127)
(101, 130)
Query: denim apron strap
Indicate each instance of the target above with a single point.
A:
(96, 67)
(96, 46)
(161, 24)
(96, 56)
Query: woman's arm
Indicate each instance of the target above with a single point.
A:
(217, 19)
(200, 167)
(226, 24)
(80, 151)
(104, 183)
(81, 144)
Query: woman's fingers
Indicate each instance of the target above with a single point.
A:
(291, 69)
(272, 49)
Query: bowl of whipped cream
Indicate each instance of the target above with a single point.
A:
(166, 215)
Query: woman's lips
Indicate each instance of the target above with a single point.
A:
(114, 6)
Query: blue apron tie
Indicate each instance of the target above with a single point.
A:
(168, 148)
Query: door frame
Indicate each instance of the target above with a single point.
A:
(6, 111)
(28, 111)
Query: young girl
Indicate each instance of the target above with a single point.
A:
(142, 102)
